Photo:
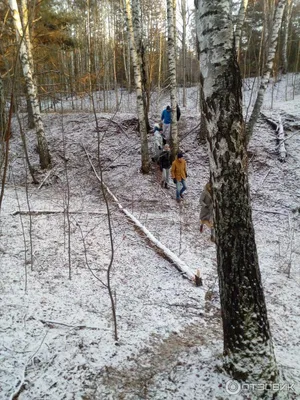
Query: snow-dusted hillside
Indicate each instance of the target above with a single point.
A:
(60, 331)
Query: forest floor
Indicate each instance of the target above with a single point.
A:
(57, 334)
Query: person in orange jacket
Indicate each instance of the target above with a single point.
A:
(179, 175)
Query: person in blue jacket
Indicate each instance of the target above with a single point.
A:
(166, 118)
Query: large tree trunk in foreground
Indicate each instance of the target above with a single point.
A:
(138, 87)
(267, 70)
(171, 13)
(30, 86)
(248, 347)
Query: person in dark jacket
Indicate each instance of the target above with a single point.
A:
(178, 112)
(206, 213)
(165, 165)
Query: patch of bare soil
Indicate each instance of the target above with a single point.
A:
(161, 356)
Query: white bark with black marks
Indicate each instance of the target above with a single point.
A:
(171, 15)
(248, 347)
(287, 20)
(137, 23)
(2, 119)
(184, 12)
(239, 26)
(267, 69)
(138, 87)
(31, 89)
(281, 141)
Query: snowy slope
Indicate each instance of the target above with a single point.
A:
(60, 331)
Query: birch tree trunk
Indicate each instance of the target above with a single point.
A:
(3, 121)
(287, 20)
(248, 347)
(2, 112)
(267, 69)
(239, 27)
(141, 53)
(159, 62)
(184, 26)
(138, 87)
(25, 20)
(31, 89)
(171, 15)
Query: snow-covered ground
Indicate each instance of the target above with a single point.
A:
(60, 332)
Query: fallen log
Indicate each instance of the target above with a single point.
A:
(48, 212)
(175, 260)
(280, 136)
(280, 139)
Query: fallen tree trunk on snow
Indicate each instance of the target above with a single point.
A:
(179, 264)
(48, 212)
(280, 139)
(280, 136)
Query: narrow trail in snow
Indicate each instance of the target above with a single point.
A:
(157, 245)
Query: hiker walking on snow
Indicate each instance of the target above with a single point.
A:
(206, 213)
(179, 175)
(165, 165)
(166, 118)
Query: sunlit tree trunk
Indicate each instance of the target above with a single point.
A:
(287, 21)
(239, 27)
(139, 94)
(171, 14)
(137, 21)
(31, 89)
(248, 347)
(267, 69)
(27, 40)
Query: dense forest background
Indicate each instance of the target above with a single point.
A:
(80, 47)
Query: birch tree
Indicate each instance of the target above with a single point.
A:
(171, 15)
(26, 39)
(239, 26)
(30, 86)
(138, 87)
(287, 20)
(2, 111)
(267, 69)
(248, 348)
(3, 121)
(184, 35)
(137, 20)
